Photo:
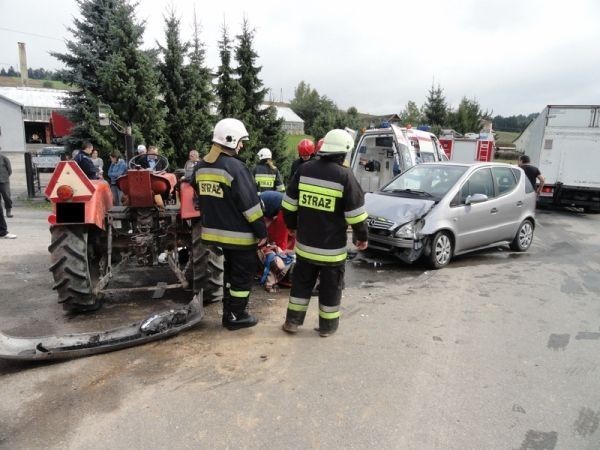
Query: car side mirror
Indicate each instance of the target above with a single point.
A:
(476, 198)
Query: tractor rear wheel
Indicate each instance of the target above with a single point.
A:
(207, 262)
(75, 267)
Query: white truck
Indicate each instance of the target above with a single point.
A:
(564, 143)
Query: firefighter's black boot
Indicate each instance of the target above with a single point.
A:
(235, 314)
(327, 326)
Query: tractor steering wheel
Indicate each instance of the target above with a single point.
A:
(162, 163)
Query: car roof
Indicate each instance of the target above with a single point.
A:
(473, 164)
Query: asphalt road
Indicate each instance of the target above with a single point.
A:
(497, 351)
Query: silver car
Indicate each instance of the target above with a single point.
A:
(438, 210)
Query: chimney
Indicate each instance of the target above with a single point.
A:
(23, 63)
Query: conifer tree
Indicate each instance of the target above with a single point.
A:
(435, 108)
(105, 62)
(262, 123)
(171, 70)
(228, 90)
(199, 96)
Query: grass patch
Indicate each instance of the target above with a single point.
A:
(37, 203)
(50, 84)
(506, 138)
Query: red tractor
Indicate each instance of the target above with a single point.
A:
(92, 239)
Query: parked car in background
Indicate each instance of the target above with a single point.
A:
(439, 210)
(47, 159)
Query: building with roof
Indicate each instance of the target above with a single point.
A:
(292, 123)
(12, 128)
(25, 115)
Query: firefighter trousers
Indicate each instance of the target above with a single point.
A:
(304, 278)
(240, 267)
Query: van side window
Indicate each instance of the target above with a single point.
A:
(504, 178)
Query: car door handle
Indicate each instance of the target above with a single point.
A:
(519, 203)
(494, 210)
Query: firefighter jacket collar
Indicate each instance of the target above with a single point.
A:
(216, 150)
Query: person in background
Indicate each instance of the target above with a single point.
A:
(117, 168)
(306, 151)
(98, 163)
(4, 234)
(265, 173)
(5, 173)
(150, 159)
(193, 158)
(532, 173)
(85, 162)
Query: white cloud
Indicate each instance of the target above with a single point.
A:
(512, 56)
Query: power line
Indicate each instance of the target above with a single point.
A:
(31, 34)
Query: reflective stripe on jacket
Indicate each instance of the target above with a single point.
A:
(322, 199)
(231, 213)
(267, 178)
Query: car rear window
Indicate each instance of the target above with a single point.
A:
(504, 178)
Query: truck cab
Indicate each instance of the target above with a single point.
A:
(382, 153)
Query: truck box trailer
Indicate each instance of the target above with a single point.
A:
(564, 143)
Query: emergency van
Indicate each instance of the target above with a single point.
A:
(382, 153)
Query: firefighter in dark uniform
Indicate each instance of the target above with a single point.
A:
(267, 176)
(232, 217)
(306, 152)
(321, 200)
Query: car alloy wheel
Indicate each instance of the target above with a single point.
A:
(525, 235)
(443, 249)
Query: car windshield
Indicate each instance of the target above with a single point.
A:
(426, 180)
(51, 150)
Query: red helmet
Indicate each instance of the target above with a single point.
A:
(319, 144)
(306, 147)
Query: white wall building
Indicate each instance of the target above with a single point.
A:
(12, 127)
(292, 123)
(35, 106)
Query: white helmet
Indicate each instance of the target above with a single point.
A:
(264, 153)
(229, 132)
(336, 142)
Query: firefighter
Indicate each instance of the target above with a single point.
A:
(232, 217)
(321, 200)
(267, 176)
(306, 151)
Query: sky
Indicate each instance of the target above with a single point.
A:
(512, 56)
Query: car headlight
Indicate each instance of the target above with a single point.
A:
(410, 230)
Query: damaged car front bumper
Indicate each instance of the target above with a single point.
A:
(155, 327)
